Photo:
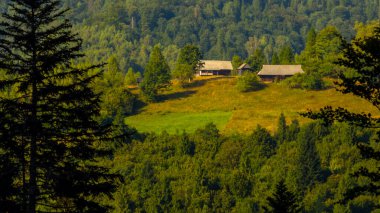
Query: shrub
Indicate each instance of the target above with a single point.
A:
(305, 81)
(248, 82)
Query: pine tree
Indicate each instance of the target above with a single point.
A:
(283, 201)
(156, 75)
(48, 128)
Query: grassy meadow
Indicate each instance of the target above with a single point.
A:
(215, 99)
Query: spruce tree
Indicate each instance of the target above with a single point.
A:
(48, 130)
(283, 201)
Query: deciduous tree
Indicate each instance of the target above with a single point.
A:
(361, 58)
(156, 75)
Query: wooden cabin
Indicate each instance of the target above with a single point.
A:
(214, 67)
(270, 73)
(244, 68)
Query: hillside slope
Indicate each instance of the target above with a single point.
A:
(217, 100)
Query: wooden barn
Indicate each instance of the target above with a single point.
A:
(213, 67)
(280, 72)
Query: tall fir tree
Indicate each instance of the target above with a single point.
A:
(156, 75)
(283, 201)
(48, 129)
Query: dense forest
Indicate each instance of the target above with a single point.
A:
(65, 147)
(129, 29)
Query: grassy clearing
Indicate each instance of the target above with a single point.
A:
(217, 100)
(178, 121)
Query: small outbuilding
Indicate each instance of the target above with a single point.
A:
(244, 68)
(214, 67)
(280, 72)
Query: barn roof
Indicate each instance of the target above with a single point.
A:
(280, 70)
(244, 66)
(216, 65)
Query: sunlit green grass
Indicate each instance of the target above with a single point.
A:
(178, 121)
(217, 100)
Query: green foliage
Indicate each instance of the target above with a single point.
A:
(283, 200)
(156, 75)
(248, 82)
(305, 81)
(293, 130)
(322, 50)
(308, 164)
(116, 100)
(130, 78)
(236, 62)
(261, 137)
(361, 57)
(275, 59)
(49, 129)
(286, 55)
(237, 172)
(256, 60)
(188, 63)
(281, 133)
(221, 29)
(240, 185)
(185, 146)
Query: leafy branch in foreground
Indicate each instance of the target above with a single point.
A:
(361, 58)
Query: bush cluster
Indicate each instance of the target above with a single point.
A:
(249, 82)
(305, 81)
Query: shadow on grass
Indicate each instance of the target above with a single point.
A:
(138, 105)
(176, 95)
(255, 88)
(202, 82)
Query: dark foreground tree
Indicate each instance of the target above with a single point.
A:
(282, 201)
(48, 131)
(362, 60)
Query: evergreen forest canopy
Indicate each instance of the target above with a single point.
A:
(129, 29)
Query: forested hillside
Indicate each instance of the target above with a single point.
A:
(221, 28)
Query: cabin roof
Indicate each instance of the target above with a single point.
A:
(280, 70)
(244, 66)
(216, 65)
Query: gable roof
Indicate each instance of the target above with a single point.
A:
(216, 65)
(280, 70)
(244, 66)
